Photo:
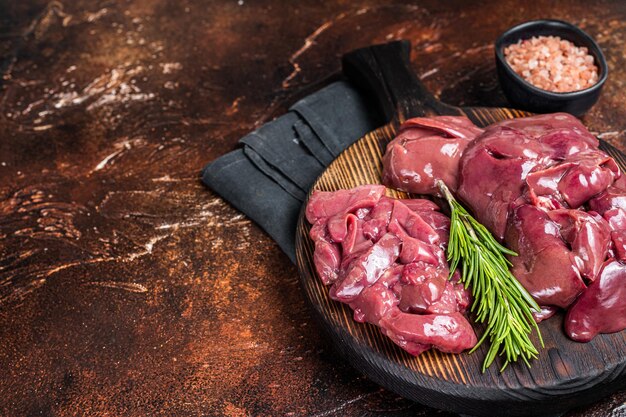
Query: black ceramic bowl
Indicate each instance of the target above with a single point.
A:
(526, 96)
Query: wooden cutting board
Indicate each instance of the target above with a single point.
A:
(566, 374)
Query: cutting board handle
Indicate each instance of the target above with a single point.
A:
(385, 71)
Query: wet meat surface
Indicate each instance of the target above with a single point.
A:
(601, 308)
(542, 186)
(427, 149)
(550, 160)
(385, 258)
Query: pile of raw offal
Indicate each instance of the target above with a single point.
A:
(539, 184)
(386, 259)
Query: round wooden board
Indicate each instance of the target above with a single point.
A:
(566, 374)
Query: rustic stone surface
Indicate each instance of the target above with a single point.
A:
(126, 287)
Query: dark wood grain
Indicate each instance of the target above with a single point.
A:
(566, 374)
(132, 290)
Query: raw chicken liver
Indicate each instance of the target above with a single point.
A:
(427, 149)
(385, 258)
(602, 307)
(550, 160)
(556, 250)
(611, 204)
(542, 186)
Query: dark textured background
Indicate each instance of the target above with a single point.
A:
(126, 287)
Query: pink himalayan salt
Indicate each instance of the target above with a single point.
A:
(552, 63)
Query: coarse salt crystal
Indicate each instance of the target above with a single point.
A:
(552, 63)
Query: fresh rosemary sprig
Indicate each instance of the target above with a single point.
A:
(499, 298)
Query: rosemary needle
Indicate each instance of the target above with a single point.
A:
(499, 299)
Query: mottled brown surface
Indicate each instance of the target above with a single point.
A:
(126, 287)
